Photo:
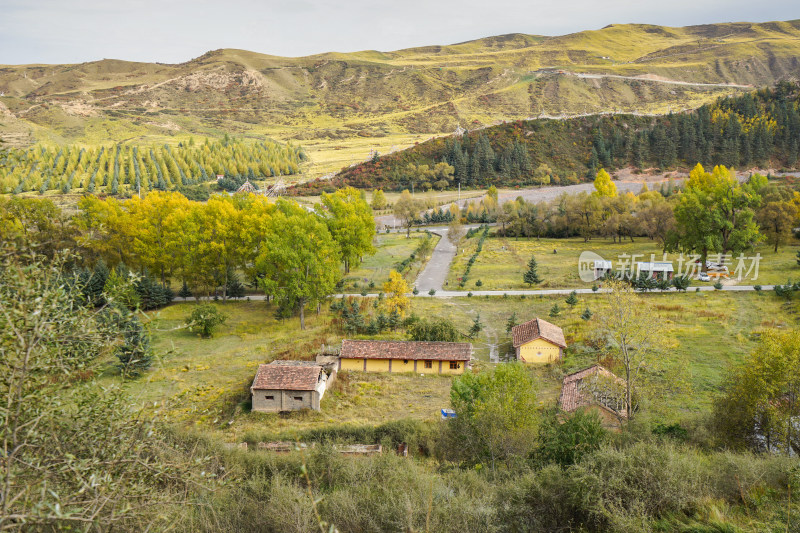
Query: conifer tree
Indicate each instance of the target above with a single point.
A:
(511, 322)
(572, 300)
(476, 328)
(532, 276)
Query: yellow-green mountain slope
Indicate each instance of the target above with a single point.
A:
(336, 96)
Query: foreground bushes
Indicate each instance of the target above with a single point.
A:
(644, 486)
(627, 489)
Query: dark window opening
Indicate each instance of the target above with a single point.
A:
(405, 361)
(298, 398)
(428, 364)
(269, 397)
(453, 365)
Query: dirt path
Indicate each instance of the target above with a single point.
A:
(655, 79)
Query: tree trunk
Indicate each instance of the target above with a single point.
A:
(302, 313)
(628, 406)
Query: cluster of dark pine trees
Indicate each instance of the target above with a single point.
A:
(475, 160)
(759, 129)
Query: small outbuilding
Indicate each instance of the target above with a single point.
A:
(601, 268)
(655, 269)
(422, 357)
(538, 341)
(595, 388)
(281, 387)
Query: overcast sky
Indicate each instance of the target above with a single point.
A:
(173, 31)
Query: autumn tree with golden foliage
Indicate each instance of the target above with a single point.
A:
(396, 290)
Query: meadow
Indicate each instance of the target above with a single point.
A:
(373, 271)
(503, 260)
(204, 383)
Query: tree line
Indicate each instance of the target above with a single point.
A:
(124, 169)
(710, 212)
(293, 253)
(757, 129)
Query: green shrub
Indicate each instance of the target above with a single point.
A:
(565, 442)
(437, 329)
(204, 318)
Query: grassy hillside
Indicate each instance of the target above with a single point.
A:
(759, 129)
(388, 96)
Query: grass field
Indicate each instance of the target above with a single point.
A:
(710, 330)
(205, 382)
(503, 261)
(392, 248)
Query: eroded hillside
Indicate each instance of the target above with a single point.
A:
(425, 90)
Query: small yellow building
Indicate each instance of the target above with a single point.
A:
(421, 357)
(538, 341)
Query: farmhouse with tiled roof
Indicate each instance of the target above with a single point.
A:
(538, 341)
(421, 357)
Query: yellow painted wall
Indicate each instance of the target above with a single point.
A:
(539, 351)
(382, 365)
(352, 364)
(422, 370)
(399, 366)
(446, 367)
(378, 365)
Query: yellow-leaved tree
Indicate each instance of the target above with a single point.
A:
(396, 289)
(603, 185)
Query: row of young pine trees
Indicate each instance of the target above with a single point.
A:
(121, 168)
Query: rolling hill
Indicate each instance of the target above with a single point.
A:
(371, 98)
(760, 129)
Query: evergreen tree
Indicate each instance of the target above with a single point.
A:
(511, 322)
(587, 314)
(185, 292)
(572, 301)
(476, 327)
(555, 310)
(532, 276)
(234, 288)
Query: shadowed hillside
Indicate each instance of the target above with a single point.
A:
(760, 129)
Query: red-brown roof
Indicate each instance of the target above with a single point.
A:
(282, 377)
(574, 393)
(419, 350)
(537, 329)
